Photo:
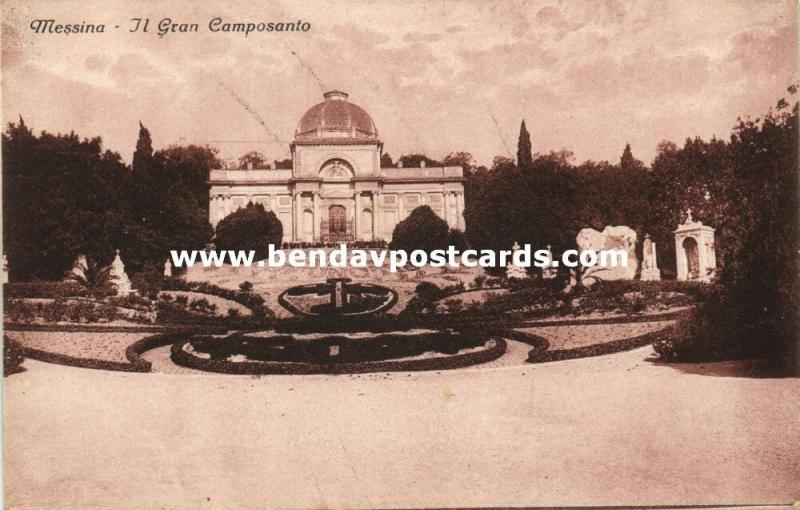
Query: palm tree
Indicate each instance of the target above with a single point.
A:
(96, 279)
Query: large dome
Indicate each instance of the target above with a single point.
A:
(336, 118)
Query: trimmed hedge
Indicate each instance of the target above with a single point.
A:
(247, 299)
(80, 328)
(656, 317)
(352, 309)
(132, 352)
(180, 357)
(135, 350)
(13, 356)
(50, 290)
(625, 344)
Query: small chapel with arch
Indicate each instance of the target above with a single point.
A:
(336, 190)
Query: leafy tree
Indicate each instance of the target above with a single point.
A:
(143, 155)
(166, 205)
(187, 168)
(462, 159)
(415, 160)
(249, 228)
(386, 161)
(60, 199)
(457, 239)
(524, 151)
(284, 164)
(253, 159)
(422, 230)
(93, 276)
(627, 161)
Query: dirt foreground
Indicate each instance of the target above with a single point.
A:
(611, 430)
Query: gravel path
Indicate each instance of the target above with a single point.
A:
(612, 430)
(569, 337)
(105, 346)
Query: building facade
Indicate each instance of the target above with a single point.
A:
(336, 190)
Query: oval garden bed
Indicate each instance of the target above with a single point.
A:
(389, 351)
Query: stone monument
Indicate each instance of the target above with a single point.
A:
(611, 238)
(80, 266)
(694, 250)
(549, 272)
(650, 271)
(5, 268)
(168, 268)
(119, 279)
(516, 271)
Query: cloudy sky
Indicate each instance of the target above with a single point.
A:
(435, 76)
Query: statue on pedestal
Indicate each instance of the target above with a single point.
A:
(5, 268)
(515, 270)
(168, 268)
(119, 279)
(549, 272)
(650, 271)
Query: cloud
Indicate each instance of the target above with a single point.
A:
(587, 76)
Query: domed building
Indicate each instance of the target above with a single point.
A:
(336, 190)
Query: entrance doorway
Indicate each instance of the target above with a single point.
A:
(337, 220)
(692, 258)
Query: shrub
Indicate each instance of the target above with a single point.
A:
(422, 230)
(94, 277)
(148, 282)
(454, 305)
(13, 356)
(50, 290)
(246, 286)
(457, 239)
(479, 281)
(251, 228)
(719, 328)
(428, 291)
(18, 310)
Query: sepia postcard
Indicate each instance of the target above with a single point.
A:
(372, 254)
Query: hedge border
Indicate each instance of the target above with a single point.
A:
(539, 343)
(81, 328)
(601, 349)
(133, 352)
(71, 361)
(297, 312)
(179, 357)
(607, 320)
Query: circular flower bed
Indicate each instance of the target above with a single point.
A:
(338, 353)
(337, 297)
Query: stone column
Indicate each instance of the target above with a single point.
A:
(460, 211)
(446, 205)
(376, 218)
(702, 261)
(295, 216)
(317, 236)
(357, 217)
(680, 259)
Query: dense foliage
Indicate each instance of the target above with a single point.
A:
(422, 230)
(64, 196)
(13, 356)
(250, 228)
(746, 188)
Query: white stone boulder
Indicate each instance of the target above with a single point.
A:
(611, 238)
